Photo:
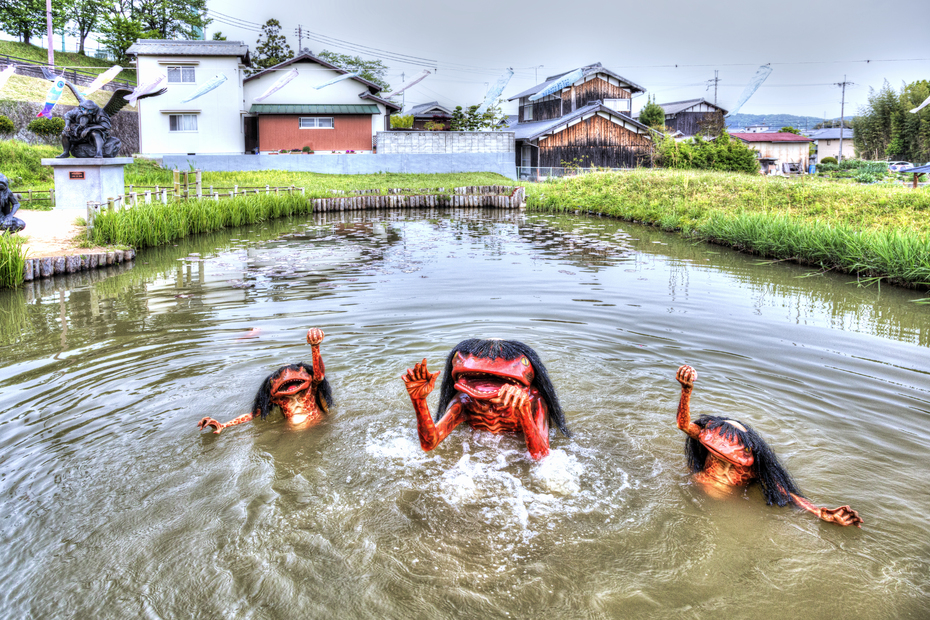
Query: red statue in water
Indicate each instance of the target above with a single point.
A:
(500, 386)
(300, 390)
(727, 453)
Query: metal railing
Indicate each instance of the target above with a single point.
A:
(31, 68)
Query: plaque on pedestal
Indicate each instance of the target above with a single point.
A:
(79, 180)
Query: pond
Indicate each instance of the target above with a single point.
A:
(114, 505)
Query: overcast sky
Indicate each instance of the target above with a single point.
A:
(669, 47)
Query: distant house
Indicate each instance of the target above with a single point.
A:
(211, 123)
(341, 117)
(686, 116)
(779, 152)
(430, 112)
(827, 144)
(586, 123)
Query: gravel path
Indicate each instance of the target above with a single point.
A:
(52, 233)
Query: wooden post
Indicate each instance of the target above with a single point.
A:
(109, 204)
(914, 186)
(177, 183)
(148, 196)
(164, 195)
(199, 180)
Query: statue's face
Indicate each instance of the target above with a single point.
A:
(3, 186)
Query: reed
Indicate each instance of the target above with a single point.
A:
(149, 225)
(12, 261)
(877, 232)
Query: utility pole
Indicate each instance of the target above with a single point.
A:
(842, 85)
(714, 80)
(300, 39)
(48, 21)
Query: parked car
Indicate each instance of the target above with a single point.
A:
(899, 166)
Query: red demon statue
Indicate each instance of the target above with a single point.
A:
(728, 453)
(300, 390)
(500, 386)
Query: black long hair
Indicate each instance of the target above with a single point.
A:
(508, 350)
(775, 480)
(262, 404)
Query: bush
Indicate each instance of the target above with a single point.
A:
(828, 160)
(723, 154)
(47, 126)
(306, 149)
(6, 125)
(402, 122)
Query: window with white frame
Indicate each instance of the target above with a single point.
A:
(528, 112)
(316, 122)
(618, 105)
(181, 75)
(182, 122)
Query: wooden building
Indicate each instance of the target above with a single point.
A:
(430, 112)
(687, 116)
(584, 124)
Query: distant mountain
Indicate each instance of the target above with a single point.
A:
(775, 121)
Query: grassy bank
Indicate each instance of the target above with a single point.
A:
(871, 231)
(70, 60)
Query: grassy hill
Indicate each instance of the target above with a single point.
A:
(39, 55)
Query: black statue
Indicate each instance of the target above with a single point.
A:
(8, 208)
(87, 127)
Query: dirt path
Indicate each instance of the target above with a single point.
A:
(52, 233)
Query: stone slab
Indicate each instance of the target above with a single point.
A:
(79, 180)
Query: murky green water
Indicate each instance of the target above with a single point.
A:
(113, 505)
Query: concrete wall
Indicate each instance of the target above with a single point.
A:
(501, 163)
(219, 112)
(434, 142)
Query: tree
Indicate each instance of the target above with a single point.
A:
(83, 17)
(723, 153)
(469, 120)
(26, 18)
(274, 50)
(371, 70)
(119, 33)
(834, 124)
(172, 19)
(789, 129)
(652, 115)
(712, 124)
(219, 36)
(887, 129)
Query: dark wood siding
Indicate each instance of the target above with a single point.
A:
(597, 89)
(543, 110)
(687, 123)
(596, 142)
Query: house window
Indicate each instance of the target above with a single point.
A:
(528, 112)
(619, 105)
(320, 122)
(182, 122)
(181, 75)
(526, 157)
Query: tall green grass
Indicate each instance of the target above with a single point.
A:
(871, 231)
(149, 225)
(12, 261)
(21, 164)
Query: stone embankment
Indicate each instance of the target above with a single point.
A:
(36, 268)
(497, 196)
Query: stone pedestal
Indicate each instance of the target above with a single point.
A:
(82, 179)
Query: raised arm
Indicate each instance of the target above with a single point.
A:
(218, 426)
(419, 382)
(844, 515)
(686, 377)
(314, 338)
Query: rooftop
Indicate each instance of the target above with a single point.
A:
(167, 47)
(677, 106)
(771, 137)
(588, 70)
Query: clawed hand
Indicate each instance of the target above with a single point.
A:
(210, 422)
(844, 515)
(686, 377)
(315, 336)
(512, 396)
(419, 381)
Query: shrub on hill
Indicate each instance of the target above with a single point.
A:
(47, 126)
(6, 125)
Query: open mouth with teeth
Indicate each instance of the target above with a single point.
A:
(482, 385)
(291, 386)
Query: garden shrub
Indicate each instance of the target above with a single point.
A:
(6, 125)
(828, 160)
(402, 122)
(47, 126)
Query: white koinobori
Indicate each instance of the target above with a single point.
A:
(5, 74)
(921, 106)
(334, 80)
(281, 83)
(104, 78)
(209, 85)
(558, 85)
(761, 74)
(144, 89)
(494, 92)
(417, 80)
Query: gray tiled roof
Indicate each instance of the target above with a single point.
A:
(167, 47)
(422, 108)
(530, 131)
(830, 134)
(677, 106)
(589, 70)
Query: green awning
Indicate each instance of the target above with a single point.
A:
(312, 108)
